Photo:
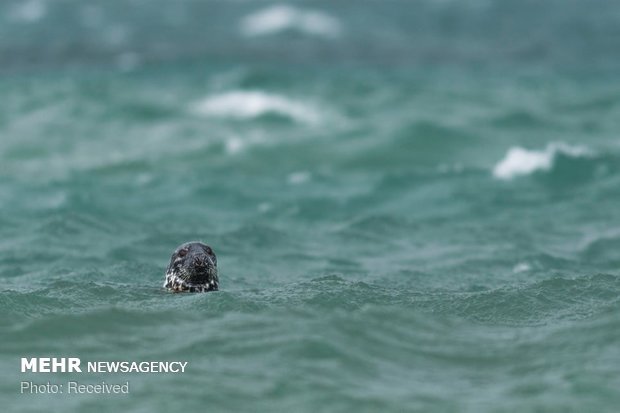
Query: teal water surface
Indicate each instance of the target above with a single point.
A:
(414, 204)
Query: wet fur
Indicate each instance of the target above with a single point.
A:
(192, 268)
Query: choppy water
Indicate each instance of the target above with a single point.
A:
(415, 205)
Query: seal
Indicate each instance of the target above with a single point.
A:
(192, 268)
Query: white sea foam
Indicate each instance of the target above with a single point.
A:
(520, 161)
(521, 267)
(279, 18)
(252, 104)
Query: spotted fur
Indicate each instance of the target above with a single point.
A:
(192, 268)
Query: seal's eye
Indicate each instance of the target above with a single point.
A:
(209, 250)
(182, 253)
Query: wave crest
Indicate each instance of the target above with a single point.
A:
(253, 104)
(280, 18)
(520, 161)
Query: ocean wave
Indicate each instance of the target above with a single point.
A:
(602, 247)
(251, 104)
(546, 301)
(520, 161)
(280, 18)
(344, 335)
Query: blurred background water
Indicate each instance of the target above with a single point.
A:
(414, 203)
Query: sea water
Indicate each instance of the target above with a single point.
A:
(415, 205)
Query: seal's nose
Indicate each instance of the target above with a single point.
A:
(201, 261)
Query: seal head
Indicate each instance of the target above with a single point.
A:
(192, 268)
